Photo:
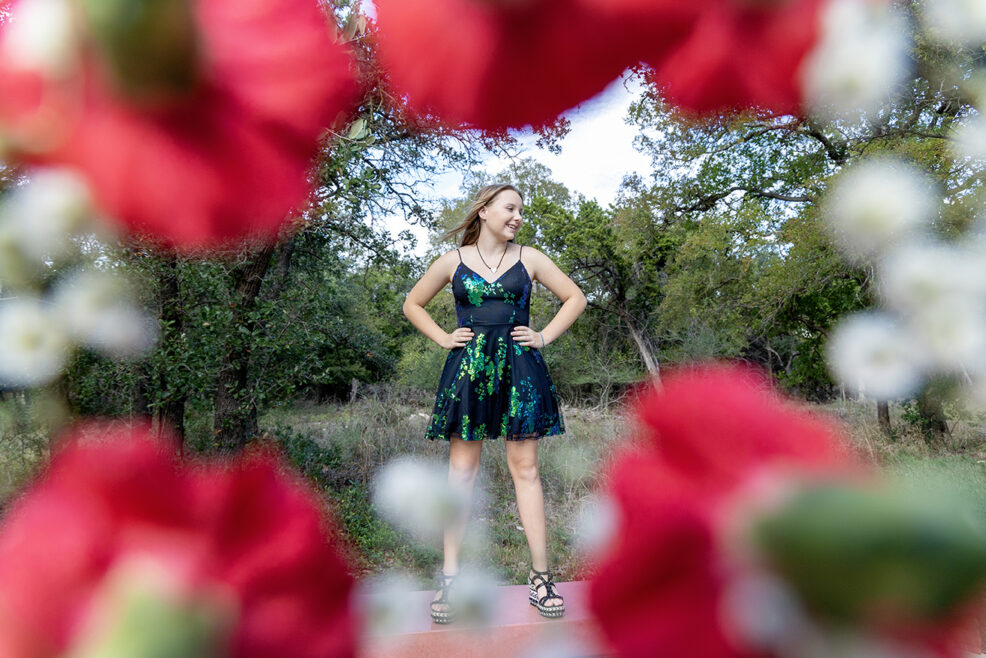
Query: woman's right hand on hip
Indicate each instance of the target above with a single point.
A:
(458, 338)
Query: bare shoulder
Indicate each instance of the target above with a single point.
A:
(535, 255)
(536, 261)
(445, 264)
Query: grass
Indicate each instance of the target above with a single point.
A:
(340, 447)
(366, 434)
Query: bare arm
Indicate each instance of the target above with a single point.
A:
(436, 278)
(543, 269)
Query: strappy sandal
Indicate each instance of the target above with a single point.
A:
(543, 579)
(446, 616)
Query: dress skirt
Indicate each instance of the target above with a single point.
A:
(494, 387)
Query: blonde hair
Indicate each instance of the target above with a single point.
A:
(470, 226)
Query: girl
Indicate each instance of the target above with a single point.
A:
(495, 382)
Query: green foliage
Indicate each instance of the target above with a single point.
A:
(420, 366)
(27, 421)
(378, 544)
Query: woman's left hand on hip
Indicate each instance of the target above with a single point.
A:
(527, 337)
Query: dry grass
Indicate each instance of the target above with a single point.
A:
(341, 446)
(372, 431)
(905, 442)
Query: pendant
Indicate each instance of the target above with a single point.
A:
(493, 270)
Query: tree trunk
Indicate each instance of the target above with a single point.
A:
(141, 402)
(171, 413)
(281, 271)
(934, 423)
(883, 416)
(235, 419)
(643, 347)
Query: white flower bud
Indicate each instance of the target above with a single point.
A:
(417, 497)
(761, 611)
(969, 138)
(878, 203)
(475, 596)
(388, 605)
(859, 61)
(596, 525)
(873, 354)
(955, 22)
(919, 275)
(42, 37)
(98, 309)
(33, 344)
(954, 333)
(47, 212)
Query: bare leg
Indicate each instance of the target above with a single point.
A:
(522, 459)
(463, 465)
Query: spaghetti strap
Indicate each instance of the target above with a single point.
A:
(520, 256)
(460, 254)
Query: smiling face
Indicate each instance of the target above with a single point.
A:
(501, 217)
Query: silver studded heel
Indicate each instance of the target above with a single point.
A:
(540, 579)
(446, 616)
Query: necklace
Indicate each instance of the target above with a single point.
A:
(491, 269)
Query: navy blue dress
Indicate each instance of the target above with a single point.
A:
(493, 386)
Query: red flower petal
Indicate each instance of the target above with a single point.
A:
(229, 162)
(709, 431)
(248, 528)
(657, 594)
(712, 425)
(741, 55)
(498, 65)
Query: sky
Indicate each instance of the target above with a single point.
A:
(595, 156)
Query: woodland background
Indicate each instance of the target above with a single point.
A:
(719, 253)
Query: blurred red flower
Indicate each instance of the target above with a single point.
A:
(732, 487)
(710, 432)
(496, 65)
(117, 526)
(741, 54)
(506, 64)
(227, 160)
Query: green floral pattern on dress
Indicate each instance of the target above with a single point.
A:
(492, 386)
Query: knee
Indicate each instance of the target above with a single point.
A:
(463, 472)
(524, 470)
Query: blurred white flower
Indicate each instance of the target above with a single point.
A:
(388, 604)
(596, 525)
(33, 345)
(474, 596)
(42, 37)
(47, 212)
(969, 137)
(953, 331)
(416, 496)
(973, 395)
(878, 203)
(98, 309)
(919, 275)
(762, 612)
(873, 354)
(958, 22)
(861, 58)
